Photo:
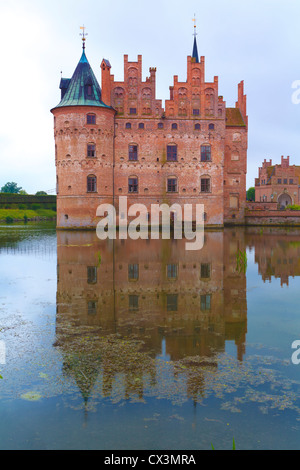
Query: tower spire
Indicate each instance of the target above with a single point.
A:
(195, 48)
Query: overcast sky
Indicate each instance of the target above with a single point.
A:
(257, 41)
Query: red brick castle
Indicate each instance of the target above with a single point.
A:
(119, 140)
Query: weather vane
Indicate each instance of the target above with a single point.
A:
(194, 20)
(83, 34)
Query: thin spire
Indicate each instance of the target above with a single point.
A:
(83, 34)
(194, 20)
(195, 48)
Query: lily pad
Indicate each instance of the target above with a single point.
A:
(31, 396)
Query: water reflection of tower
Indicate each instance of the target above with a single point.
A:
(152, 291)
(235, 299)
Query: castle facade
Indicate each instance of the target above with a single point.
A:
(119, 140)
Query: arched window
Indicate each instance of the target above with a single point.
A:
(91, 150)
(128, 125)
(211, 126)
(91, 118)
(91, 184)
(160, 125)
(133, 184)
(174, 125)
(141, 125)
(205, 184)
(197, 127)
(205, 153)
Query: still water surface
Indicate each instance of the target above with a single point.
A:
(144, 345)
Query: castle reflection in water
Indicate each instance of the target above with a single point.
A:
(176, 303)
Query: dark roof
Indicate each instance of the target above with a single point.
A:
(195, 51)
(83, 88)
(234, 118)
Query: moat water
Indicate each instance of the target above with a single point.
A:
(128, 345)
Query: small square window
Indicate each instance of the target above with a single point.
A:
(291, 181)
(141, 125)
(132, 110)
(91, 119)
(279, 181)
(285, 181)
(172, 185)
(132, 185)
(160, 125)
(196, 112)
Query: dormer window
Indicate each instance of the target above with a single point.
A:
(89, 90)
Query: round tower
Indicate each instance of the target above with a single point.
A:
(84, 148)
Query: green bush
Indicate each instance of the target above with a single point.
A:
(9, 220)
(21, 206)
(293, 207)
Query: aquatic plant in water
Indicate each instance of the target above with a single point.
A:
(241, 261)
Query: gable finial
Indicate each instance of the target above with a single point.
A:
(194, 20)
(83, 34)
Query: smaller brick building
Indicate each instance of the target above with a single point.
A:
(278, 183)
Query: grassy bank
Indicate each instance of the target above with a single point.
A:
(26, 214)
